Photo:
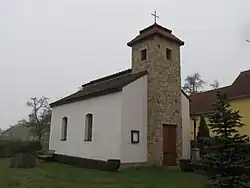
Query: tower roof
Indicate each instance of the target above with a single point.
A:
(155, 29)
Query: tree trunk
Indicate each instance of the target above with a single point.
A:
(39, 137)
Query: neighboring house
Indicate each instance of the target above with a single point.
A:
(18, 132)
(139, 115)
(22, 132)
(239, 97)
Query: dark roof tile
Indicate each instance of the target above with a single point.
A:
(106, 85)
(112, 76)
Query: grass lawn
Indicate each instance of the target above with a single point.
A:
(53, 175)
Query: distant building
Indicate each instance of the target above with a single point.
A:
(18, 132)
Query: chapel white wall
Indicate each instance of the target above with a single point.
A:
(185, 127)
(134, 117)
(106, 140)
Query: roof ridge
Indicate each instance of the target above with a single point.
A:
(245, 71)
(118, 77)
(108, 77)
(211, 90)
(241, 73)
(155, 25)
(106, 80)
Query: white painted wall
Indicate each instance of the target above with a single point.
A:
(134, 117)
(106, 140)
(185, 127)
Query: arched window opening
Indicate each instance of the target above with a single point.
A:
(64, 129)
(88, 127)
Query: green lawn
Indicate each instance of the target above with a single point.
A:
(53, 175)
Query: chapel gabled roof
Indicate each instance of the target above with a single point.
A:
(155, 29)
(102, 86)
(201, 103)
(106, 85)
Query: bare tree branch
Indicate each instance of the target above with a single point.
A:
(39, 118)
(215, 85)
(193, 83)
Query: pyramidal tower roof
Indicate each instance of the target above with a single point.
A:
(155, 29)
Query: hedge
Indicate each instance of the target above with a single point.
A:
(110, 165)
(186, 165)
(9, 148)
(23, 160)
(189, 166)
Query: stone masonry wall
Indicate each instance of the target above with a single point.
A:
(164, 92)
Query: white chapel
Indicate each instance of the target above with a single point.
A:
(139, 115)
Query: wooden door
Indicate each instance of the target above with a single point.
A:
(169, 145)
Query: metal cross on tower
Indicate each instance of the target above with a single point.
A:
(155, 16)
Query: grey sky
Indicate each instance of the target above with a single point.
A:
(51, 47)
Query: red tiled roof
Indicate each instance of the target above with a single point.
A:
(202, 102)
(155, 29)
(241, 86)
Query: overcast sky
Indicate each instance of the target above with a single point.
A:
(51, 47)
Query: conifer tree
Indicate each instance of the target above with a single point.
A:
(203, 135)
(203, 131)
(228, 160)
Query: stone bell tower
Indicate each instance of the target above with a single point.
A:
(157, 51)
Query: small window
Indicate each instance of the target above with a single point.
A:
(64, 129)
(88, 127)
(143, 54)
(169, 54)
(134, 137)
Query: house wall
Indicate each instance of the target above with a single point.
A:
(106, 140)
(185, 127)
(134, 117)
(244, 106)
(241, 104)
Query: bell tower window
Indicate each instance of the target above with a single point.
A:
(169, 54)
(143, 54)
